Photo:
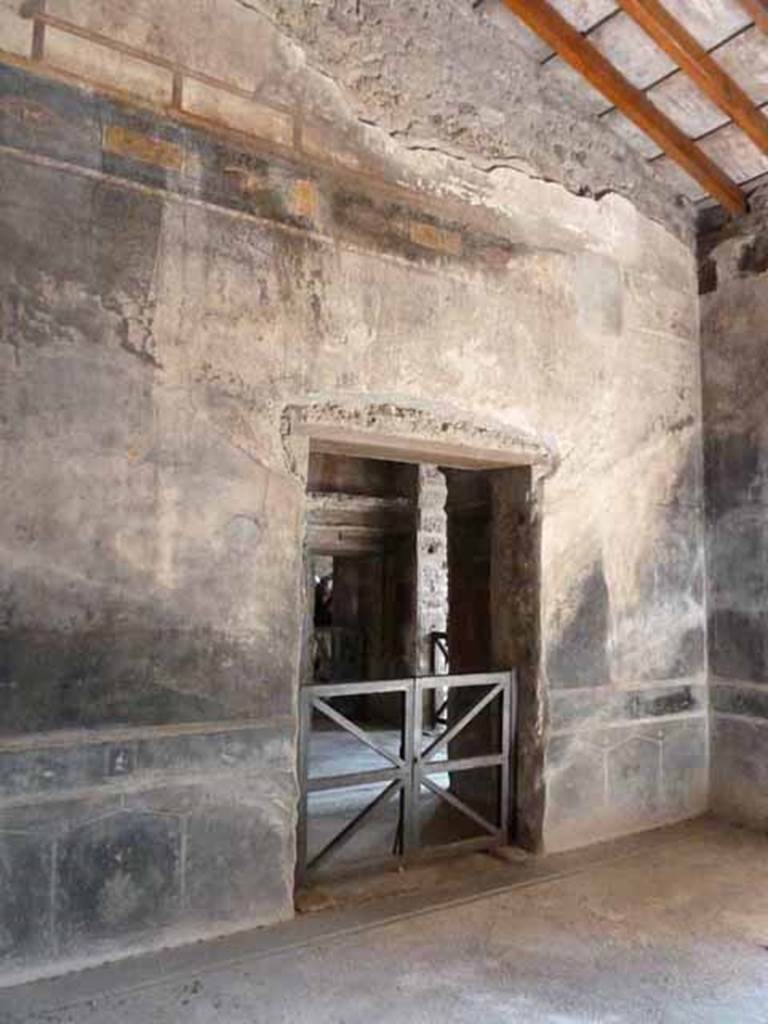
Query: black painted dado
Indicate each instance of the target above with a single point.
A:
(100, 842)
(25, 919)
(116, 875)
(569, 710)
(744, 700)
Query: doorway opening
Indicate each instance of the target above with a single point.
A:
(420, 605)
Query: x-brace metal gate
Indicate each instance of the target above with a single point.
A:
(413, 767)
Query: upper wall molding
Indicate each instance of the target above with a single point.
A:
(240, 67)
(203, 161)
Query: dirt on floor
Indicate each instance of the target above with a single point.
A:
(674, 931)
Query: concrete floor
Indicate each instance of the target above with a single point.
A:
(671, 927)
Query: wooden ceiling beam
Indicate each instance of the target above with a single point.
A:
(581, 54)
(757, 9)
(678, 44)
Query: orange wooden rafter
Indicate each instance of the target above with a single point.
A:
(581, 54)
(675, 40)
(757, 9)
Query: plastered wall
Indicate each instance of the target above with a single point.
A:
(171, 284)
(734, 282)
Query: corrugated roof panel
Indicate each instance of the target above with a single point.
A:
(735, 152)
(682, 102)
(621, 40)
(746, 60)
(709, 21)
(583, 14)
(731, 150)
(630, 50)
(690, 108)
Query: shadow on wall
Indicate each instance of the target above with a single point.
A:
(120, 661)
(628, 746)
(596, 639)
(736, 482)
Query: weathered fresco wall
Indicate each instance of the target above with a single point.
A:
(734, 282)
(170, 287)
(437, 76)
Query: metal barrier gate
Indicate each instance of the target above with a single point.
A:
(414, 767)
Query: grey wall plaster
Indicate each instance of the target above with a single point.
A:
(443, 75)
(734, 283)
(156, 326)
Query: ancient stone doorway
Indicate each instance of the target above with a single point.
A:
(412, 570)
(496, 507)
